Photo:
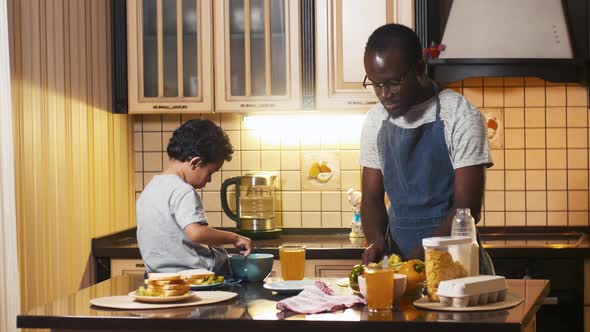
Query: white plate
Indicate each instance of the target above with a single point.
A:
(290, 286)
(344, 282)
(512, 299)
(162, 299)
(207, 286)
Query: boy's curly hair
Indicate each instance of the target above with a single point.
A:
(200, 138)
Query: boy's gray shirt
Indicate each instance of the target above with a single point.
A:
(165, 207)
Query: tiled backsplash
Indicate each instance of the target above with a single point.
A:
(540, 150)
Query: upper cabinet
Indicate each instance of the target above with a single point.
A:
(342, 30)
(257, 55)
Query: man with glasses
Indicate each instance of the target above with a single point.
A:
(427, 149)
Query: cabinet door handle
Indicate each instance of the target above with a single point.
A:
(353, 102)
(554, 300)
(257, 105)
(169, 107)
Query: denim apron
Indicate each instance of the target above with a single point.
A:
(419, 180)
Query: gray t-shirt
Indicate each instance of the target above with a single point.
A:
(465, 130)
(165, 207)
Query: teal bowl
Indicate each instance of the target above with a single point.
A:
(253, 268)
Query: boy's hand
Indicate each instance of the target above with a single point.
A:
(244, 244)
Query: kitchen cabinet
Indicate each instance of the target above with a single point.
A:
(257, 55)
(170, 56)
(342, 30)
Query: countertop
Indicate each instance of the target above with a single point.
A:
(255, 310)
(557, 242)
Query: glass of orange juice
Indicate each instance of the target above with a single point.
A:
(380, 284)
(292, 261)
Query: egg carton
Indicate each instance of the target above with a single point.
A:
(472, 291)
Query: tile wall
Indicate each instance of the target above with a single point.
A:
(540, 150)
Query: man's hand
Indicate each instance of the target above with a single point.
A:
(244, 244)
(374, 252)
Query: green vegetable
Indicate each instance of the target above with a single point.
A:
(357, 270)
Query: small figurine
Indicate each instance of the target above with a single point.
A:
(356, 229)
(433, 51)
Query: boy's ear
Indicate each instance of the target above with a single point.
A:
(195, 162)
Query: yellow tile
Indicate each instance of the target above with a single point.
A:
(455, 84)
(347, 218)
(291, 219)
(311, 141)
(231, 121)
(251, 160)
(514, 138)
(166, 136)
(311, 201)
(331, 201)
(331, 220)
(556, 138)
(493, 81)
(535, 159)
(534, 117)
(214, 219)
(498, 159)
(290, 160)
(577, 137)
(494, 180)
(138, 181)
(215, 118)
(473, 82)
(534, 81)
(138, 162)
(152, 122)
(165, 160)
(194, 116)
(577, 200)
(278, 221)
(349, 160)
(457, 89)
(147, 177)
(515, 201)
(536, 218)
(556, 159)
(494, 219)
(330, 142)
(229, 174)
(152, 141)
(270, 142)
(494, 201)
(557, 218)
(514, 97)
(536, 201)
(270, 160)
(577, 96)
(211, 201)
(215, 184)
(578, 218)
(514, 159)
(515, 219)
(493, 97)
(556, 96)
(535, 138)
(474, 96)
(291, 200)
(535, 180)
(152, 162)
(351, 179)
(291, 180)
(350, 141)
(556, 117)
(250, 140)
(278, 201)
(534, 96)
(577, 179)
(577, 117)
(311, 220)
(515, 180)
(514, 117)
(137, 142)
(234, 139)
(577, 159)
(344, 201)
(513, 81)
(170, 122)
(556, 180)
(137, 123)
(557, 200)
(234, 165)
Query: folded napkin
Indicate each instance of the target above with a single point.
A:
(317, 299)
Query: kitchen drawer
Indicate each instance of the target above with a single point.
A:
(586, 319)
(126, 267)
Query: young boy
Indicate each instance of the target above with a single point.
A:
(172, 230)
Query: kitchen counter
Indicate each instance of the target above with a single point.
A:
(255, 310)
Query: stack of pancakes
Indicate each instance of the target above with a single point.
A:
(167, 284)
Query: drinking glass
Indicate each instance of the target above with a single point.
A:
(292, 261)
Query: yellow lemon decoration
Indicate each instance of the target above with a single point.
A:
(314, 170)
(324, 167)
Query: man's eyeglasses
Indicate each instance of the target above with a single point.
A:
(390, 85)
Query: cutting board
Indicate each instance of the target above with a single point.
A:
(511, 300)
(127, 302)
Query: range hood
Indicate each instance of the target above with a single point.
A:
(510, 38)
